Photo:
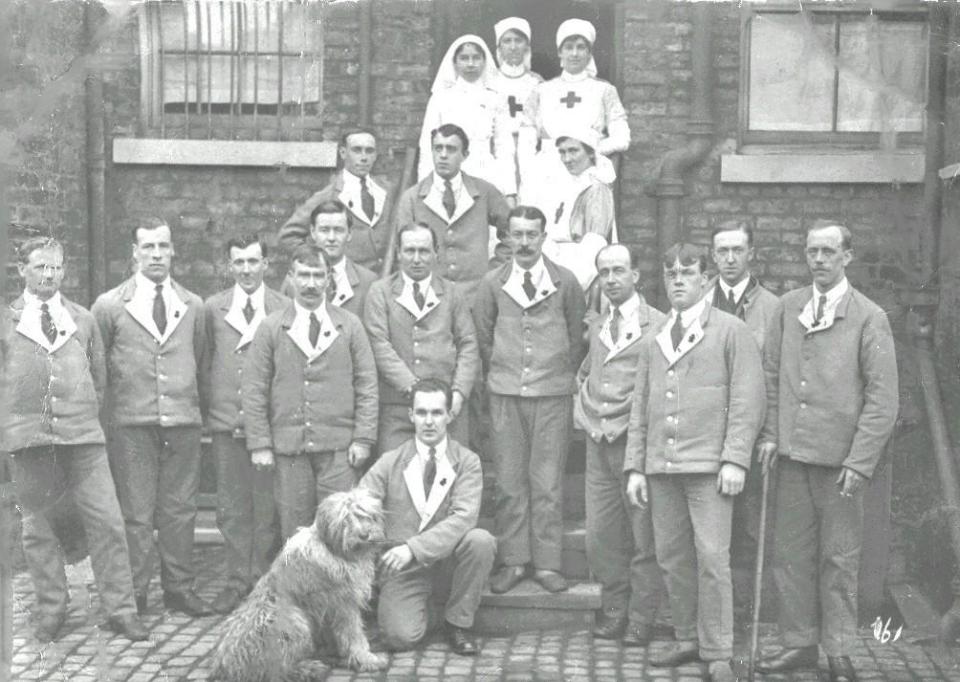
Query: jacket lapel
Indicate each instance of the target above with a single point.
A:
(298, 329)
(513, 287)
(404, 298)
(442, 484)
(345, 288)
(692, 336)
(629, 334)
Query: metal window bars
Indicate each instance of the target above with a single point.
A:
(232, 69)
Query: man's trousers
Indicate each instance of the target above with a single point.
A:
(303, 481)
(530, 440)
(403, 611)
(157, 470)
(395, 427)
(817, 541)
(246, 513)
(691, 524)
(620, 545)
(44, 477)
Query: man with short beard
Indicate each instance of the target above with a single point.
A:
(309, 395)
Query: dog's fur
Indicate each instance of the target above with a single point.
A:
(313, 593)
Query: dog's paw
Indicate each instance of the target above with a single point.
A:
(366, 662)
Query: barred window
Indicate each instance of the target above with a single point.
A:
(232, 69)
(835, 77)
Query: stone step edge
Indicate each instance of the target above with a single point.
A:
(580, 596)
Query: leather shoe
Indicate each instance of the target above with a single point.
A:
(637, 634)
(48, 627)
(841, 669)
(506, 578)
(720, 671)
(461, 641)
(127, 625)
(186, 602)
(141, 600)
(790, 659)
(228, 599)
(551, 581)
(610, 626)
(676, 653)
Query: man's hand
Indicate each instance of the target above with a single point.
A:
(850, 482)
(358, 454)
(766, 456)
(397, 558)
(456, 404)
(637, 489)
(262, 458)
(731, 478)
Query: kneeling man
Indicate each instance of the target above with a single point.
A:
(430, 487)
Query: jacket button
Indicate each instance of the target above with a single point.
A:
(670, 441)
(670, 372)
(803, 406)
(669, 394)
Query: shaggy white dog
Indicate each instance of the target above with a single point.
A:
(313, 594)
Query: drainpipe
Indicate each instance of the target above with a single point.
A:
(95, 157)
(670, 186)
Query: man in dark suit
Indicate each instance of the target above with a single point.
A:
(529, 318)
(368, 198)
(431, 488)
(54, 380)
(419, 326)
(309, 395)
(245, 508)
(459, 208)
(832, 391)
(155, 339)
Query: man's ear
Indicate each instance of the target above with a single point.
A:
(410, 414)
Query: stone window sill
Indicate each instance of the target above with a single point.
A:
(858, 167)
(173, 152)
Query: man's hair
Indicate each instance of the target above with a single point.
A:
(686, 254)
(242, 241)
(36, 244)
(631, 252)
(332, 207)
(528, 213)
(449, 130)
(148, 223)
(410, 227)
(733, 226)
(356, 130)
(846, 237)
(311, 255)
(431, 385)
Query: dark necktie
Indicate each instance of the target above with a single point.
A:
(615, 324)
(676, 332)
(528, 287)
(731, 303)
(159, 310)
(314, 333)
(418, 296)
(47, 326)
(248, 311)
(821, 304)
(429, 472)
(449, 202)
(366, 200)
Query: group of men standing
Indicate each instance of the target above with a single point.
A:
(683, 413)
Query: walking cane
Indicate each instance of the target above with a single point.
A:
(758, 577)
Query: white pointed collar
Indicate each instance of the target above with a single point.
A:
(240, 297)
(834, 294)
(303, 315)
(738, 288)
(145, 288)
(456, 183)
(423, 450)
(54, 303)
(537, 272)
(688, 316)
(629, 309)
(408, 284)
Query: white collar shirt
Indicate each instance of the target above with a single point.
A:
(737, 288)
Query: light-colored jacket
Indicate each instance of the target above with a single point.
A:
(699, 410)
(295, 406)
(534, 351)
(367, 244)
(607, 376)
(52, 398)
(150, 382)
(441, 344)
(223, 372)
(758, 307)
(450, 517)
(832, 394)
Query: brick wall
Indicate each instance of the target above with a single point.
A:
(206, 205)
(42, 132)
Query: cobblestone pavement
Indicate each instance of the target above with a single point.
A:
(179, 646)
